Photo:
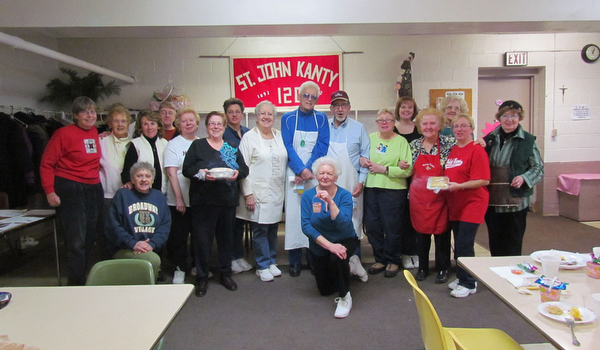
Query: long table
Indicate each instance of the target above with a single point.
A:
(92, 317)
(41, 215)
(558, 333)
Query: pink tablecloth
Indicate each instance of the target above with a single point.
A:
(571, 183)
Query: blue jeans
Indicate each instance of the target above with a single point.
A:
(464, 245)
(265, 244)
(384, 220)
(77, 217)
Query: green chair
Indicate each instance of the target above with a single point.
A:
(118, 272)
(121, 272)
(437, 337)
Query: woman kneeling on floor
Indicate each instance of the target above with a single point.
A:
(327, 221)
(139, 219)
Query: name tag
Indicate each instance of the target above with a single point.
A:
(316, 207)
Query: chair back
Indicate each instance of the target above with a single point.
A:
(121, 272)
(431, 326)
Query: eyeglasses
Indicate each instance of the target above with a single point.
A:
(215, 124)
(461, 126)
(510, 116)
(384, 121)
(340, 105)
(307, 96)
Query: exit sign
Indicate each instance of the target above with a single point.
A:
(515, 59)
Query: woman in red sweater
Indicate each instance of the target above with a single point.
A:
(468, 170)
(70, 177)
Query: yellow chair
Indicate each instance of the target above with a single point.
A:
(437, 337)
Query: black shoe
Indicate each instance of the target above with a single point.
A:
(228, 283)
(421, 275)
(376, 268)
(391, 270)
(201, 287)
(295, 270)
(442, 277)
(161, 277)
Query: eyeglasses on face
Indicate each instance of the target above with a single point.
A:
(509, 116)
(307, 96)
(215, 124)
(384, 121)
(461, 126)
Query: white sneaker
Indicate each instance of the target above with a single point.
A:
(344, 305)
(454, 284)
(415, 261)
(407, 262)
(275, 271)
(265, 275)
(235, 267)
(357, 269)
(244, 264)
(462, 292)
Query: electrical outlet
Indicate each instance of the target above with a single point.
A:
(554, 133)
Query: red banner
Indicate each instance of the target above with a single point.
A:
(277, 79)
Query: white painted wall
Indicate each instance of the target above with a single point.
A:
(450, 61)
(24, 75)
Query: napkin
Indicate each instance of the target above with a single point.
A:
(524, 280)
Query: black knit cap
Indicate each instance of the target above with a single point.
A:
(511, 104)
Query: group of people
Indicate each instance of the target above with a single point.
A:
(331, 176)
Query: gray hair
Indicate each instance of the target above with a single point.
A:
(337, 167)
(268, 103)
(141, 166)
(309, 84)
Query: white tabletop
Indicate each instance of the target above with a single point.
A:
(91, 317)
(526, 305)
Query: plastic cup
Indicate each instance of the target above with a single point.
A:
(596, 251)
(596, 301)
(550, 265)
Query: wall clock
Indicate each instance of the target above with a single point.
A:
(590, 53)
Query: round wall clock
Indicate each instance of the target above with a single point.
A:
(590, 53)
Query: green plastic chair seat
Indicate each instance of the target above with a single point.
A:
(121, 272)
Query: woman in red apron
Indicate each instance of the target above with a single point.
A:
(428, 209)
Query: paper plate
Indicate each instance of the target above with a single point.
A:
(586, 315)
(569, 261)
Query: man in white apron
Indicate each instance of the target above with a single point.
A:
(348, 143)
(305, 135)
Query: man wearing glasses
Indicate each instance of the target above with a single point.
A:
(305, 135)
(348, 143)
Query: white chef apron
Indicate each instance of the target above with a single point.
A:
(347, 180)
(294, 237)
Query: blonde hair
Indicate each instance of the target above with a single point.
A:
(429, 111)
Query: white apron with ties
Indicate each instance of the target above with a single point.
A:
(294, 237)
(348, 180)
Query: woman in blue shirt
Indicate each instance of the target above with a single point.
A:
(327, 221)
